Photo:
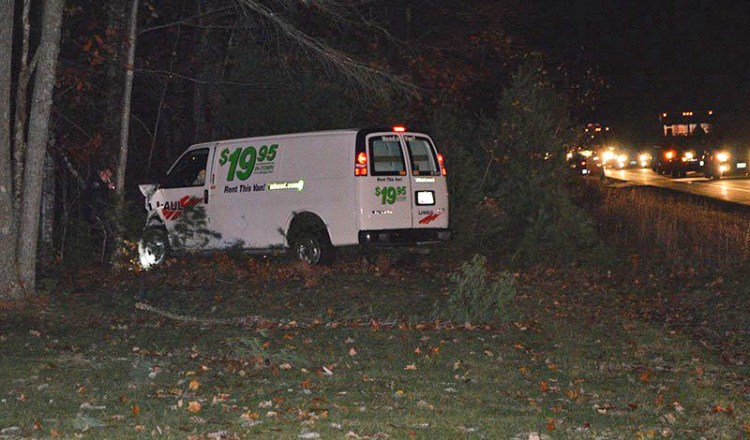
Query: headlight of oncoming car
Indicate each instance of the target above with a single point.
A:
(722, 157)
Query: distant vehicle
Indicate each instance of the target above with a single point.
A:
(579, 164)
(686, 135)
(643, 160)
(585, 162)
(622, 157)
(723, 162)
(308, 192)
(677, 161)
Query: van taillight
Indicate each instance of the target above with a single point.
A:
(441, 162)
(360, 165)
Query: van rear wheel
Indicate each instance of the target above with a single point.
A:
(314, 249)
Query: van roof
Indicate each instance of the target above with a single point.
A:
(304, 134)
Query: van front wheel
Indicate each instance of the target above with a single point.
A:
(153, 247)
(314, 249)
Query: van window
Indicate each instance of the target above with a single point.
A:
(386, 156)
(190, 170)
(422, 157)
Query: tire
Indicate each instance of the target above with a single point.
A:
(314, 248)
(153, 247)
(369, 254)
(409, 259)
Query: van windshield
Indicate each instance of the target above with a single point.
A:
(422, 156)
(387, 156)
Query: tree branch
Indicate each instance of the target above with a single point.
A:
(185, 21)
(200, 81)
(361, 74)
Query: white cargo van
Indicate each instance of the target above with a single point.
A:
(310, 192)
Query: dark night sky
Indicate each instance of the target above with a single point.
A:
(657, 55)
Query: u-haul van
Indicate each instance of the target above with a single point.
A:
(310, 192)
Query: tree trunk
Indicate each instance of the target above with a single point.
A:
(49, 187)
(41, 106)
(8, 275)
(125, 128)
(22, 101)
(116, 15)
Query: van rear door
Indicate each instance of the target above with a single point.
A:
(428, 183)
(385, 196)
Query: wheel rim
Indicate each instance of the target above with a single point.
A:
(151, 251)
(308, 251)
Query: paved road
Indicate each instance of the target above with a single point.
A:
(736, 190)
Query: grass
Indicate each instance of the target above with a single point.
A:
(578, 362)
(676, 231)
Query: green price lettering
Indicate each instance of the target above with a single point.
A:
(242, 160)
(389, 194)
(247, 163)
(271, 153)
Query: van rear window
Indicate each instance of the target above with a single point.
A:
(422, 157)
(386, 156)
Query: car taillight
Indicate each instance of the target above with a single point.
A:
(441, 162)
(360, 164)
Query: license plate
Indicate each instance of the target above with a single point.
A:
(425, 197)
(741, 165)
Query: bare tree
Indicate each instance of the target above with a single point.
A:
(125, 125)
(21, 232)
(8, 274)
(21, 111)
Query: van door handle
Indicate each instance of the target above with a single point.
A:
(205, 196)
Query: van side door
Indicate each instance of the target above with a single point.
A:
(185, 188)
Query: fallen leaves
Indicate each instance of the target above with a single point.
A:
(645, 376)
(250, 415)
(194, 406)
(729, 410)
(551, 425)
(544, 386)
